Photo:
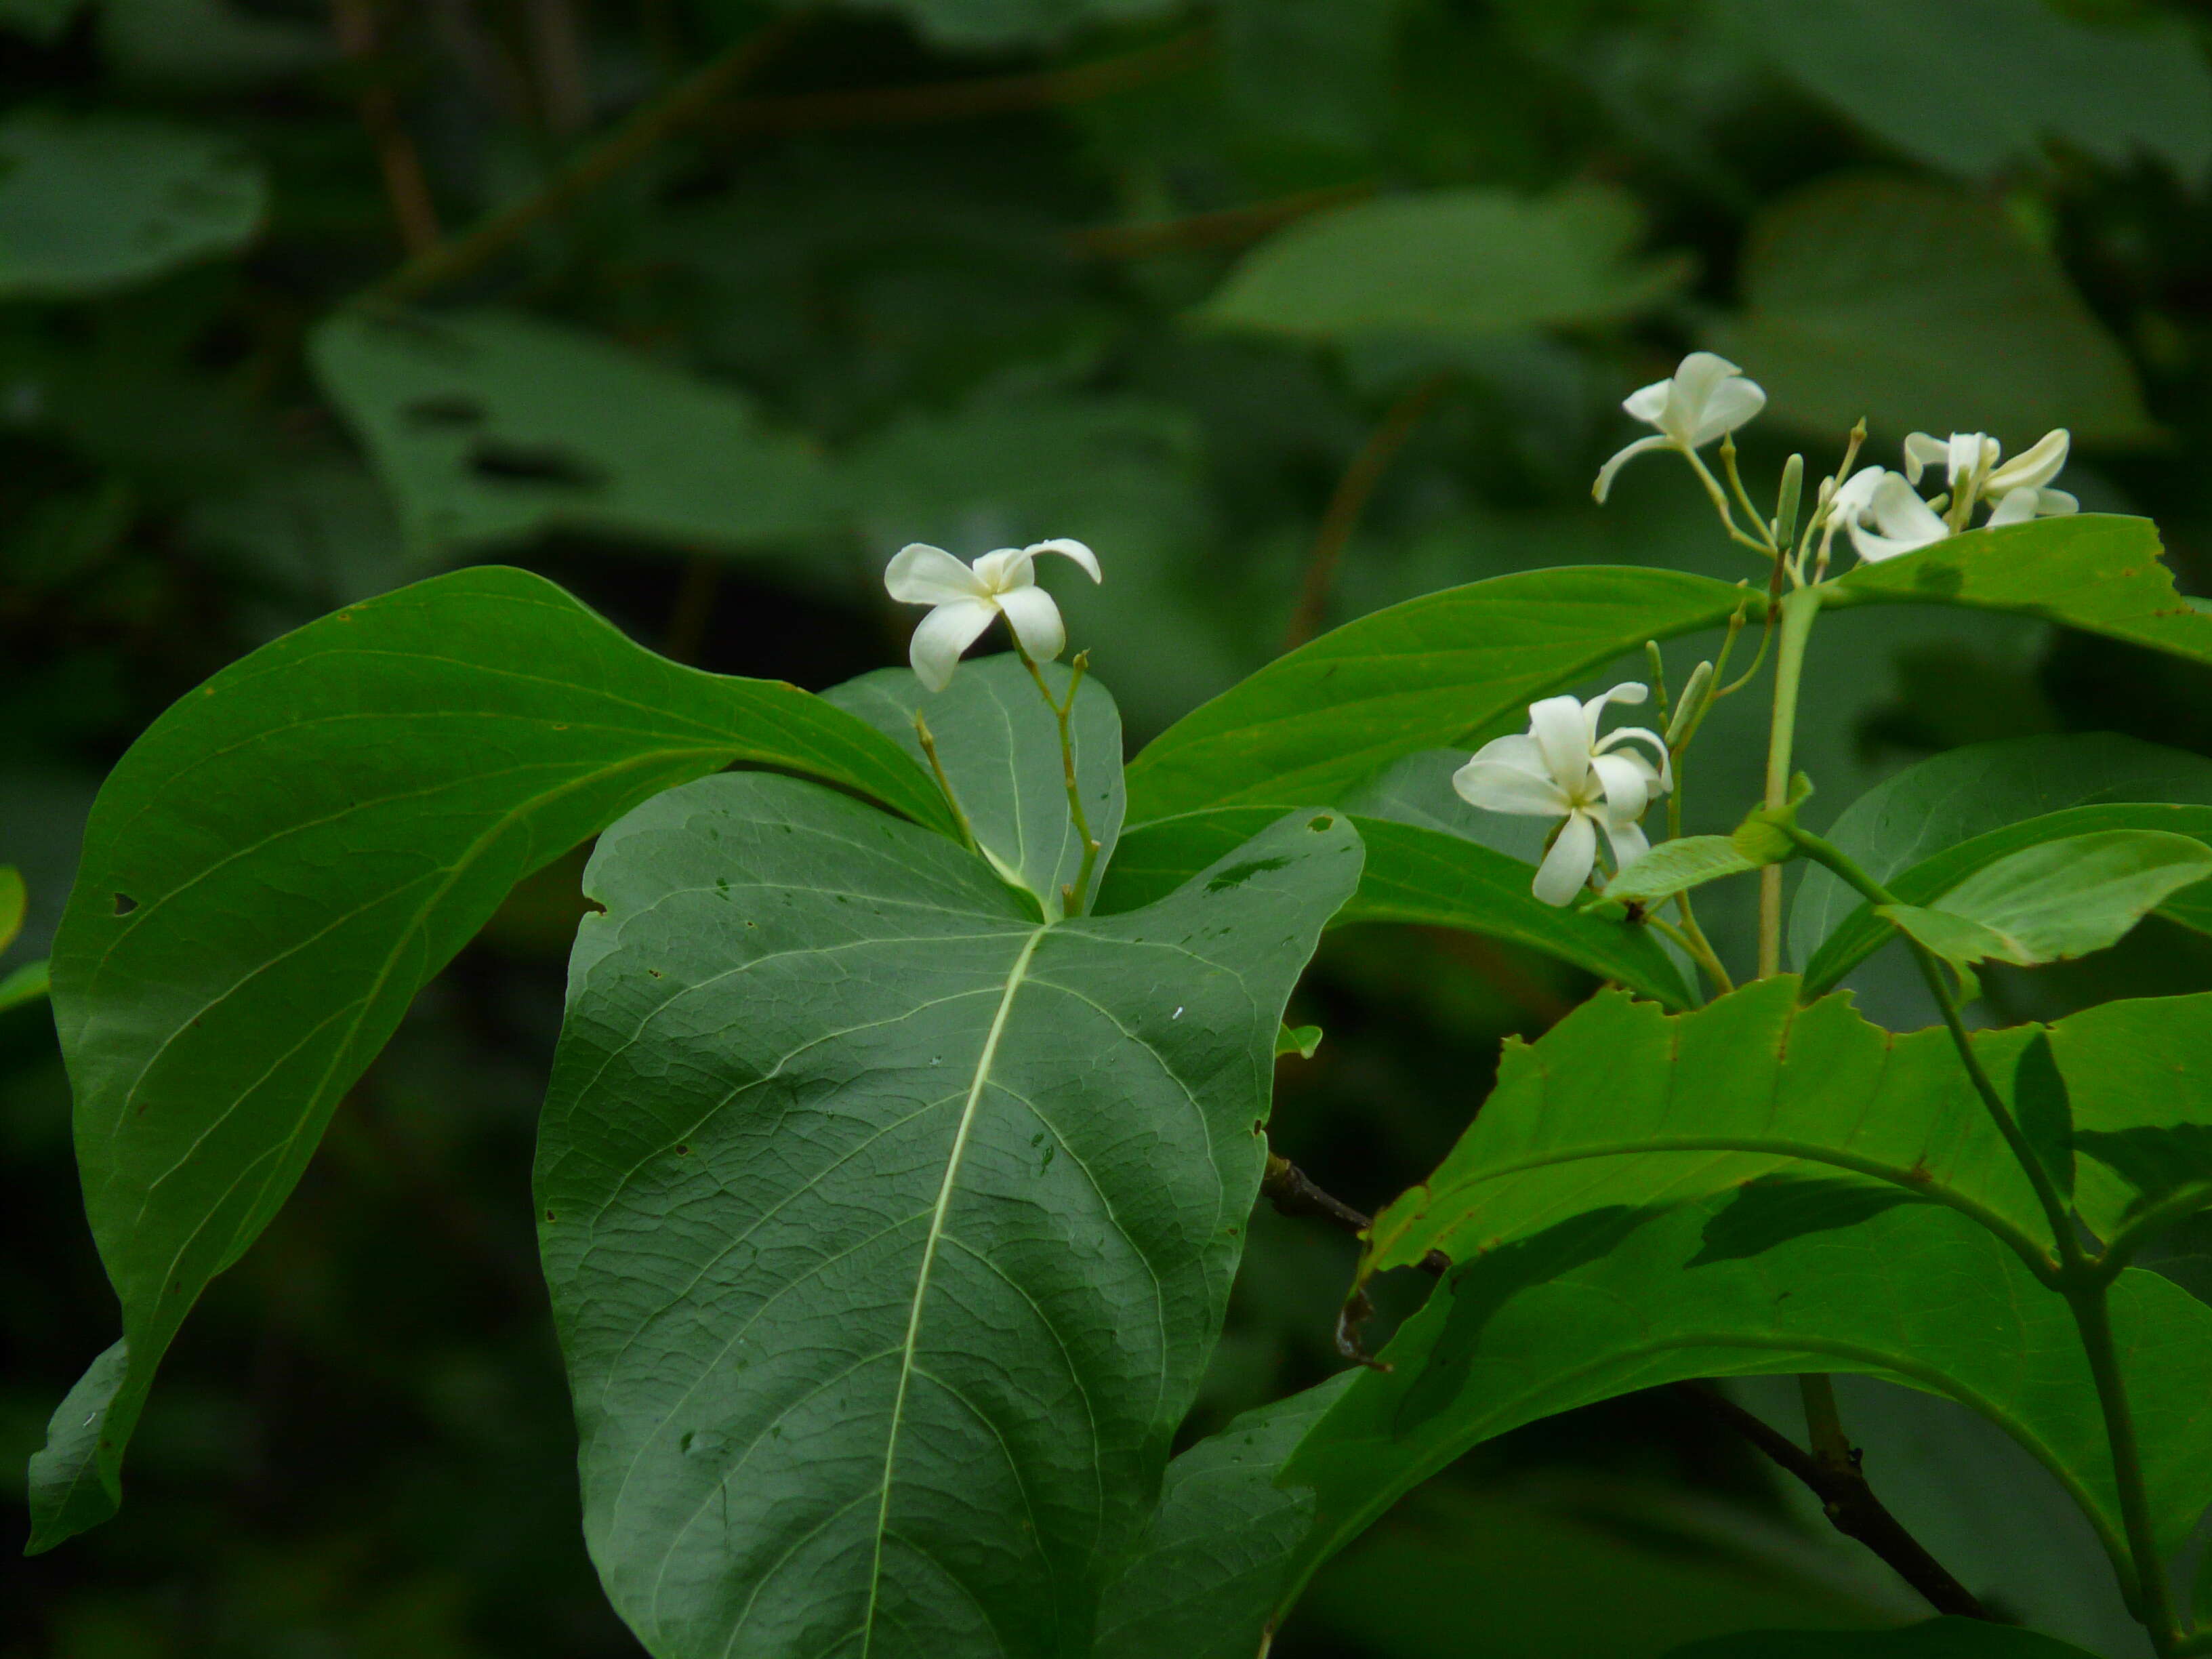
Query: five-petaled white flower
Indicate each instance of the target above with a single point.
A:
(965, 597)
(1561, 768)
(1707, 398)
(2019, 487)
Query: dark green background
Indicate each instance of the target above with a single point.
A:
(956, 255)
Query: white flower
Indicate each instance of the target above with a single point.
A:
(965, 597)
(1707, 398)
(1902, 520)
(1560, 768)
(2018, 487)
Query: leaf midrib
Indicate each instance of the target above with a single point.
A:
(1925, 1187)
(984, 1062)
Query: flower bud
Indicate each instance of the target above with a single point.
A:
(1693, 697)
(1788, 501)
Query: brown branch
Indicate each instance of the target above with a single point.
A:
(631, 140)
(1850, 1502)
(404, 183)
(1350, 501)
(1224, 227)
(960, 100)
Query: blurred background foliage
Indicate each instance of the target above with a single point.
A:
(1292, 308)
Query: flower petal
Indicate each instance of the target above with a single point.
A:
(1005, 569)
(1068, 548)
(1620, 458)
(1967, 453)
(1922, 450)
(1902, 516)
(1648, 402)
(1567, 867)
(2055, 503)
(943, 634)
(1562, 733)
(2017, 506)
(2039, 464)
(1873, 549)
(1695, 378)
(1628, 691)
(1497, 786)
(1628, 841)
(1854, 495)
(1628, 786)
(1661, 773)
(1036, 622)
(921, 574)
(1734, 402)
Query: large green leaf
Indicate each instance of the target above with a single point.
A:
(1433, 671)
(1628, 1298)
(1219, 1554)
(490, 427)
(96, 203)
(291, 852)
(1412, 874)
(2116, 93)
(889, 1230)
(15, 899)
(2098, 572)
(1936, 1638)
(1620, 1104)
(1922, 307)
(2138, 1075)
(1455, 263)
(1000, 746)
(2056, 899)
(1925, 827)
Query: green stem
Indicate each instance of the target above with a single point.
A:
(2093, 1317)
(1799, 609)
(1071, 894)
(1824, 1422)
(929, 747)
(1721, 505)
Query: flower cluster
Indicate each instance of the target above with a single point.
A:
(1886, 516)
(1561, 768)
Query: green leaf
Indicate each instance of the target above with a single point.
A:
(1922, 307)
(1936, 1638)
(1622, 1105)
(1300, 1040)
(490, 427)
(1928, 827)
(1432, 672)
(92, 204)
(289, 852)
(2096, 572)
(2117, 94)
(1412, 874)
(1219, 1551)
(1618, 1299)
(2138, 1076)
(26, 984)
(2056, 900)
(1674, 866)
(1457, 263)
(1000, 746)
(889, 1231)
(15, 899)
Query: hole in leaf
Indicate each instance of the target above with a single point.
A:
(1319, 824)
(124, 904)
(545, 464)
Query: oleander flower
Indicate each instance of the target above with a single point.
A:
(1706, 398)
(963, 599)
(1561, 768)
